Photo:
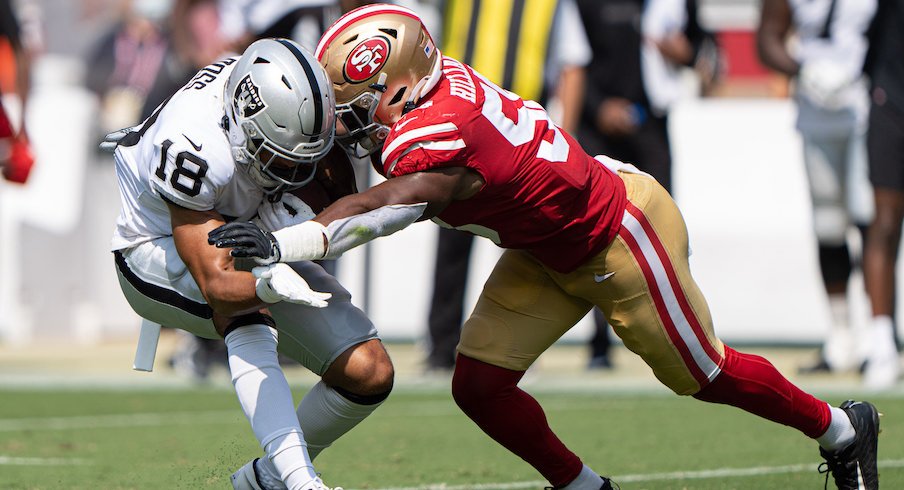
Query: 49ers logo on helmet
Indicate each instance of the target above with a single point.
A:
(366, 59)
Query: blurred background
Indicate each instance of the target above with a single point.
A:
(94, 66)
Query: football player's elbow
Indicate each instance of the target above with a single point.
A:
(222, 297)
(231, 308)
(223, 307)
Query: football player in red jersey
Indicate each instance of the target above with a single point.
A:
(579, 231)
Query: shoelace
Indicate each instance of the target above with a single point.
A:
(829, 466)
(824, 467)
(326, 487)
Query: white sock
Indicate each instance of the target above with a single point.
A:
(265, 397)
(882, 334)
(839, 310)
(325, 415)
(837, 348)
(587, 480)
(840, 432)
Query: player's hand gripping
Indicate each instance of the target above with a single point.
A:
(246, 240)
(111, 140)
(278, 282)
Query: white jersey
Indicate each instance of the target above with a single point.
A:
(833, 33)
(833, 30)
(181, 154)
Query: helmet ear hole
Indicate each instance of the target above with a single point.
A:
(398, 96)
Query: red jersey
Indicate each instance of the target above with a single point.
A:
(542, 194)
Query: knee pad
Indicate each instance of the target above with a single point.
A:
(830, 223)
(363, 399)
(835, 263)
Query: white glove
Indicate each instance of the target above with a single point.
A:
(824, 82)
(111, 140)
(278, 282)
(288, 211)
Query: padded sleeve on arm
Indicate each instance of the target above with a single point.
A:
(347, 233)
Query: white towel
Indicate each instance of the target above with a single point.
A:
(661, 78)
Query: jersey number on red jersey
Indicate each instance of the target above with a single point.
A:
(524, 130)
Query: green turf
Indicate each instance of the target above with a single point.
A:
(195, 439)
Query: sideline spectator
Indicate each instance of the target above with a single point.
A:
(832, 107)
(885, 144)
(16, 158)
(125, 65)
(303, 21)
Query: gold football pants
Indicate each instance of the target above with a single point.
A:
(641, 281)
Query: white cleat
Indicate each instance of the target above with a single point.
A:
(881, 372)
(317, 484)
(245, 478)
(882, 364)
(837, 349)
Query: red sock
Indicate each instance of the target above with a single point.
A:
(753, 384)
(490, 396)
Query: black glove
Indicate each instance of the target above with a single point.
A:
(246, 240)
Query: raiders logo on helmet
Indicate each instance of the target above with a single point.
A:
(247, 98)
(366, 59)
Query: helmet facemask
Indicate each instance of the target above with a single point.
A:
(269, 166)
(357, 130)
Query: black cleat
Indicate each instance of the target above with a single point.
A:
(854, 467)
(599, 362)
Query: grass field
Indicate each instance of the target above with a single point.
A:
(152, 436)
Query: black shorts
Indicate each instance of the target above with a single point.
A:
(885, 145)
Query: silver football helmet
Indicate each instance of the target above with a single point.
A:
(280, 111)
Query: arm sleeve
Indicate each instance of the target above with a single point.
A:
(347, 233)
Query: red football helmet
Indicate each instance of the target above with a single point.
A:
(381, 60)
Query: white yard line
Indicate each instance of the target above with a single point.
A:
(647, 477)
(16, 461)
(232, 416)
(157, 419)
(121, 421)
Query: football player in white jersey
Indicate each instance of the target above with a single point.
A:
(242, 130)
